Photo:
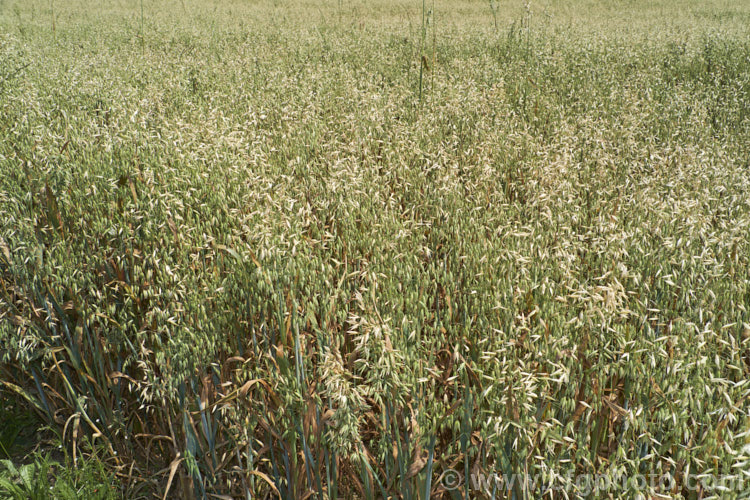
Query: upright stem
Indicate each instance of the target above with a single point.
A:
(54, 26)
(143, 39)
(421, 49)
(434, 44)
(493, 8)
(424, 27)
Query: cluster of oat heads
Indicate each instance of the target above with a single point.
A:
(249, 249)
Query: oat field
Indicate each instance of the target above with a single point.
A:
(375, 249)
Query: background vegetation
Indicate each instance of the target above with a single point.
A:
(333, 249)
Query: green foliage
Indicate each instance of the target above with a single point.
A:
(46, 479)
(246, 249)
(28, 473)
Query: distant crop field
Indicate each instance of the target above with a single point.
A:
(375, 249)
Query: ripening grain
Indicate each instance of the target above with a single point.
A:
(337, 249)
